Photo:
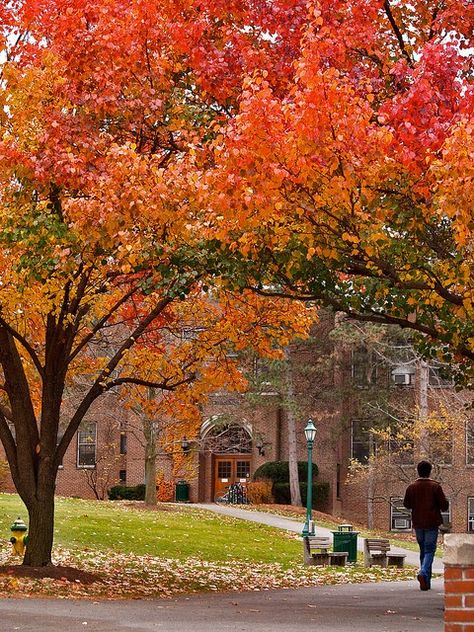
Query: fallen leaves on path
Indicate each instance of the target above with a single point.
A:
(121, 576)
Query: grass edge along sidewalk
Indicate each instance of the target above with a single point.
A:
(150, 558)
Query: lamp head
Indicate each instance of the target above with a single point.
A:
(310, 431)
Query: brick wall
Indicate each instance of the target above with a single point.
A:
(459, 582)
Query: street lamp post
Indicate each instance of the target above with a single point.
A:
(310, 434)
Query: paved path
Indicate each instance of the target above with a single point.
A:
(379, 607)
(383, 607)
(296, 526)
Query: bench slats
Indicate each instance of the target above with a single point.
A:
(377, 551)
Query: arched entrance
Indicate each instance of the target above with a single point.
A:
(229, 445)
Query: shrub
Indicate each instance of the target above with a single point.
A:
(278, 471)
(164, 488)
(281, 493)
(259, 492)
(122, 492)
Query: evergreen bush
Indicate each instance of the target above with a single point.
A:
(122, 492)
(278, 471)
(281, 493)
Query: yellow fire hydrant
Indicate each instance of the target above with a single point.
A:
(19, 537)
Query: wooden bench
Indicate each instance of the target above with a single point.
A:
(377, 553)
(317, 553)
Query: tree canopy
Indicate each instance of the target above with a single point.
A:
(354, 187)
(107, 112)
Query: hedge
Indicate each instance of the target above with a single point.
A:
(122, 492)
(278, 471)
(282, 496)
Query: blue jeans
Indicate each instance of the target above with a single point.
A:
(427, 540)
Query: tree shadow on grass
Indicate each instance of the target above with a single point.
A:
(64, 573)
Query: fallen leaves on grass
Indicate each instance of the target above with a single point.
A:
(121, 576)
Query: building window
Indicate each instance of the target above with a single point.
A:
(400, 517)
(470, 515)
(364, 369)
(243, 470)
(229, 439)
(401, 450)
(361, 440)
(123, 443)
(224, 469)
(123, 476)
(441, 444)
(87, 445)
(470, 442)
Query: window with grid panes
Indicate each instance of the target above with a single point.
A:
(224, 469)
(360, 440)
(87, 445)
(243, 469)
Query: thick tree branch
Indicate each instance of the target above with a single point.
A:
(166, 385)
(25, 344)
(17, 387)
(398, 33)
(369, 316)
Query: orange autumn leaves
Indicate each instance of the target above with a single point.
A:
(133, 133)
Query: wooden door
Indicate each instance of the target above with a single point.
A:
(228, 470)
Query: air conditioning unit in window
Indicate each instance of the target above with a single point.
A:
(401, 523)
(403, 375)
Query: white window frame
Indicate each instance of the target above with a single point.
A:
(88, 443)
(470, 514)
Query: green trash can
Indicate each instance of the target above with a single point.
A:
(345, 539)
(182, 492)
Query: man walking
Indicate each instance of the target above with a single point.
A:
(426, 499)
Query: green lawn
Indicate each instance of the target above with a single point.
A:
(176, 532)
(137, 553)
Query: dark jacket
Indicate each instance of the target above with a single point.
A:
(426, 499)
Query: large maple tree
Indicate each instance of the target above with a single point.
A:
(107, 109)
(355, 187)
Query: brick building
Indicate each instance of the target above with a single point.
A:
(335, 380)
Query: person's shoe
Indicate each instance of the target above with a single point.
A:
(423, 582)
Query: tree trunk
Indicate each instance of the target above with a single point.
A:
(295, 493)
(371, 484)
(150, 462)
(40, 528)
(423, 383)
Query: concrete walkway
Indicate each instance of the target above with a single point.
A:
(272, 520)
(381, 607)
